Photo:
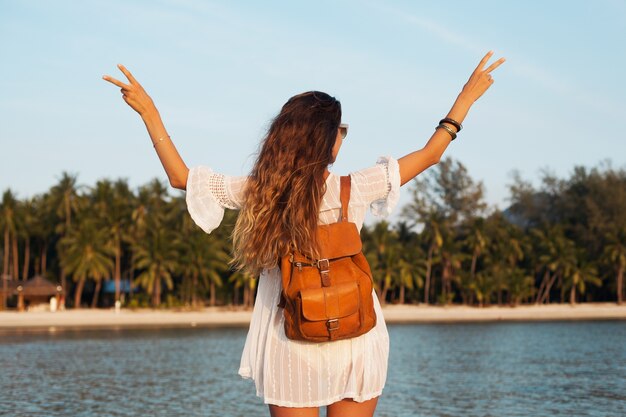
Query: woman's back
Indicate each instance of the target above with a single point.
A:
(296, 373)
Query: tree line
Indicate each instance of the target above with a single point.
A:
(564, 241)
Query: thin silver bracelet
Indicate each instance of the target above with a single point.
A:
(159, 140)
(449, 130)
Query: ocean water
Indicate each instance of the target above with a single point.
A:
(471, 369)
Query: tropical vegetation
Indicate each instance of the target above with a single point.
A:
(563, 241)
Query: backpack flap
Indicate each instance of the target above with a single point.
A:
(339, 239)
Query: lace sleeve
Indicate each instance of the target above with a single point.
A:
(208, 193)
(379, 185)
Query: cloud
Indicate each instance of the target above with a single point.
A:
(517, 65)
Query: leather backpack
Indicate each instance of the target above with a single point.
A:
(330, 298)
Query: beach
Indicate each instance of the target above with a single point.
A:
(230, 316)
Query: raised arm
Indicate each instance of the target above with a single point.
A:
(480, 80)
(136, 97)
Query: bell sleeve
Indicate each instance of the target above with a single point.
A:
(379, 185)
(208, 193)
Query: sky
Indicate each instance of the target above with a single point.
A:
(218, 71)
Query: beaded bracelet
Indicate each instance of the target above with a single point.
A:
(159, 140)
(450, 131)
(453, 122)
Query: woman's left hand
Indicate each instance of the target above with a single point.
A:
(480, 80)
(133, 94)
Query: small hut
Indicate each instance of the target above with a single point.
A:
(36, 292)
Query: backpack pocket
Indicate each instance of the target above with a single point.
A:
(330, 312)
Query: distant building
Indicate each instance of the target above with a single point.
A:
(108, 287)
(36, 292)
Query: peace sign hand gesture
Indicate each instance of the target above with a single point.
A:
(480, 80)
(133, 94)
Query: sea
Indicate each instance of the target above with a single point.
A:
(548, 368)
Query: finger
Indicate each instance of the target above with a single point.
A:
(127, 74)
(495, 65)
(483, 61)
(114, 81)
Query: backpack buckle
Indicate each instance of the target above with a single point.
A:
(332, 324)
(322, 264)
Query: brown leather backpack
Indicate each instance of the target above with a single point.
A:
(329, 298)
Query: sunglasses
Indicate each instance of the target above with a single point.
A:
(343, 129)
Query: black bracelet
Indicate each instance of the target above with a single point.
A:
(453, 122)
(448, 129)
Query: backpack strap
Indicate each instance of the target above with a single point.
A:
(344, 195)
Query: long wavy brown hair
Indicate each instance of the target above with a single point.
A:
(284, 190)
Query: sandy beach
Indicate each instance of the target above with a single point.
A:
(228, 316)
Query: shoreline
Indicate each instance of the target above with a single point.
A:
(238, 317)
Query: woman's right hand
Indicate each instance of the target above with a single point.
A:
(133, 94)
(480, 80)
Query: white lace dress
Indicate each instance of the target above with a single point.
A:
(297, 373)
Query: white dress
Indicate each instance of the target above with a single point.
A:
(293, 373)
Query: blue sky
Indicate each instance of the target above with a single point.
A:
(219, 71)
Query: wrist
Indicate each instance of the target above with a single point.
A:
(459, 109)
(150, 114)
(463, 100)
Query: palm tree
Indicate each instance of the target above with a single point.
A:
(476, 242)
(422, 210)
(111, 202)
(30, 220)
(411, 267)
(85, 252)
(65, 199)
(483, 286)
(474, 245)
(500, 273)
(411, 270)
(137, 229)
(615, 253)
(506, 251)
(8, 214)
(557, 258)
(582, 274)
(243, 279)
(513, 252)
(43, 230)
(451, 261)
(432, 235)
(203, 258)
(389, 268)
(15, 236)
(157, 255)
(382, 251)
(521, 286)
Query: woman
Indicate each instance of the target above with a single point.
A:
(289, 192)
